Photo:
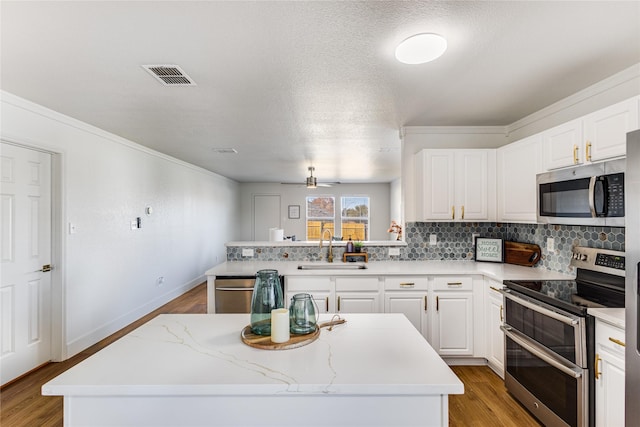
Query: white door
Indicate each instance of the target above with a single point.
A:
(266, 215)
(25, 228)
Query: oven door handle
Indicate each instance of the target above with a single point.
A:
(535, 307)
(533, 349)
(592, 196)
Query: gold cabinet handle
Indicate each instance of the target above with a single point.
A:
(495, 289)
(454, 284)
(575, 154)
(437, 303)
(453, 212)
(501, 311)
(462, 212)
(425, 303)
(407, 285)
(338, 303)
(616, 341)
(588, 151)
(326, 303)
(595, 368)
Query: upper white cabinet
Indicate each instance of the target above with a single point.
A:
(456, 185)
(518, 164)
(605, 131)
(598, 136)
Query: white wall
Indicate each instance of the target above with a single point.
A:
(379, 198)
(110, 272)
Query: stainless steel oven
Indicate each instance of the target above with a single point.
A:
(546, 361)
(550, 338)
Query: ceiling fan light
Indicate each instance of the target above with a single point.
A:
(421, 48)
(312, 182)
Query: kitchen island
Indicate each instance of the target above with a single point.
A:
(193, 369)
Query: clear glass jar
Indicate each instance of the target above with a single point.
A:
(267, 295)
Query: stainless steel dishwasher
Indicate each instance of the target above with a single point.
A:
(233, 293)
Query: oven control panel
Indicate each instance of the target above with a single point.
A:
(611, 261)
(602, 260)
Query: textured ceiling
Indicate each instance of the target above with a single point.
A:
(293, 84)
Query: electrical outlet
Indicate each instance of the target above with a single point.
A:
(551, 244)
(247, 252)
(433, 239)
(394, 251)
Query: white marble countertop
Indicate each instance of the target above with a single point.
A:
(613, 316)
(202, 354)
(494, 271)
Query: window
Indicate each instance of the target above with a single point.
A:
(321, 214)
(355, 217)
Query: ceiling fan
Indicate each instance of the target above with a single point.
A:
(312, 181)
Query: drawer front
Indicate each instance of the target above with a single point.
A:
(453, 283)
(610, 337)
(406, 283)
(307, 284)
(357, 284)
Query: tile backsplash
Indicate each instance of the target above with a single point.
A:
(455, 242)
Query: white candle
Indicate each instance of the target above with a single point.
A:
(280, 325)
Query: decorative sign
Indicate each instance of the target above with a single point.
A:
(294, 211)
(489, 250)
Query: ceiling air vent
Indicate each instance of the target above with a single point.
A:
(169, 75)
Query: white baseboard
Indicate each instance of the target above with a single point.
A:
(100, 333)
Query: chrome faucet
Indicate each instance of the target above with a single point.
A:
(324, 230)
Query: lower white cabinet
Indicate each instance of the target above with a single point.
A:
(452, 326)
(358, 295)
(409, 296)
(321, 288)
(494, 312)
(609, 372)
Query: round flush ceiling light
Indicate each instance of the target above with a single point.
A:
(421, 48)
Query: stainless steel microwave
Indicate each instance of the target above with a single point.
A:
(583, 195)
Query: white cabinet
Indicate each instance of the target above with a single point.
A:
(409, 296)
(358, 295)
(563, 145)
(598, 136)
(456, 185)
(452, 326)
(321, 289)
(605, 131)
(609, 367)
(494, 312)
(518, 163)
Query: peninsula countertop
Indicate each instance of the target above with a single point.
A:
(176, 362)
(495, 271)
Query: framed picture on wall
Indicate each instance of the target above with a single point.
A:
(489, 250)
(294, 211)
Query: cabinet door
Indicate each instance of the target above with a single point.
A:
(495, 336)
(471, 185)
(518, 164)
(452, 333)
(563, 145)
(437, 183)
(606, 130)
(358, 302)
(323, 300)
(414, 305)
(609, 389)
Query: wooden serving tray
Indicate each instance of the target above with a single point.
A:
(526, 254)
(296, 340)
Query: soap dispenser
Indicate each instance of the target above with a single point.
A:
(350, 249)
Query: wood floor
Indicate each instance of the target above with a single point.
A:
(484, 403)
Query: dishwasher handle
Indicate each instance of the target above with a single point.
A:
(235, 289)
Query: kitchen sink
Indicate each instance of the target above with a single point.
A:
(332, 267)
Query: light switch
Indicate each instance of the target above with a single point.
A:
(433, 239)
(72, 228)
(551, 244)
